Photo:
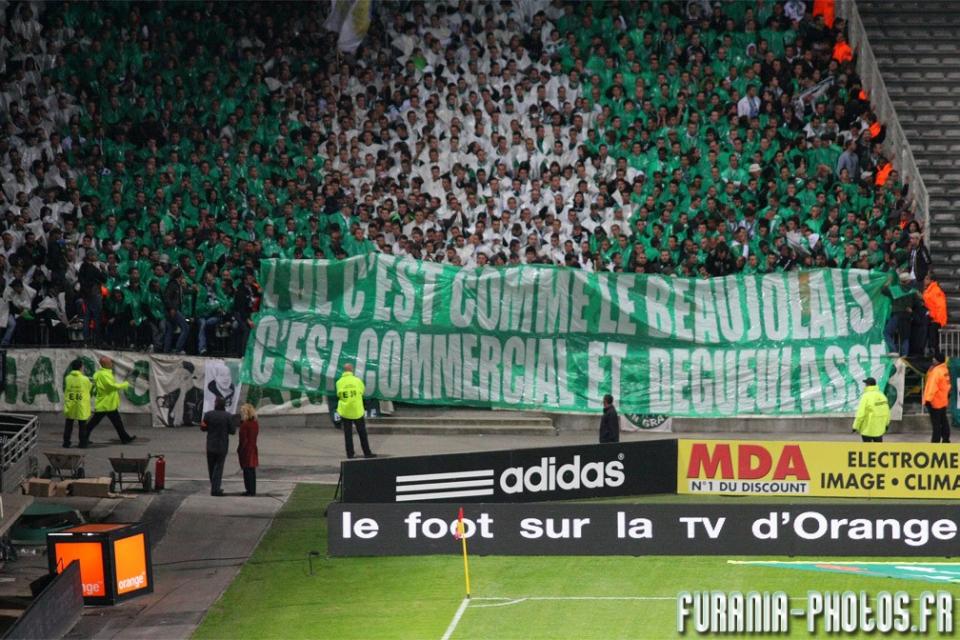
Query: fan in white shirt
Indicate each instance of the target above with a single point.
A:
(749, 105)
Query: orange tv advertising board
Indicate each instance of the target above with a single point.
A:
(114, 560)
(130, 555)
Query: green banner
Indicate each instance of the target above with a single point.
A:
(558, 339)
(171, 388)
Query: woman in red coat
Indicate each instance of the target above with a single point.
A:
(247, 449)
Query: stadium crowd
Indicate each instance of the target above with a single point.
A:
(152, 154)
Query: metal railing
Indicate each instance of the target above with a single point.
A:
(950, 340)
(18, 443)
(896, 141)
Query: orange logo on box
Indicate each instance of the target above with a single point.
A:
(130, 555)
(90, 556)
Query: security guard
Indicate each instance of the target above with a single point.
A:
(873, 413)
(76, 402)
(936, 397)
(107, 404)
(350, 407)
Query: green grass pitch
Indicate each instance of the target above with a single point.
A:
(274, 595)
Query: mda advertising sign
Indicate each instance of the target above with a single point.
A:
(836, 469)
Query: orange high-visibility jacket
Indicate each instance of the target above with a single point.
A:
(826, 8)
(936, 391)
(883, 174)
(936, 302)
(842, 52)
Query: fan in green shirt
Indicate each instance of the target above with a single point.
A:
(753, 265)
(734, 172)
(833, 248)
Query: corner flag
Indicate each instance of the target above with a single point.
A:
(462, 536)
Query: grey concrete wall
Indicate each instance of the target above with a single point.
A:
(910, 424)
(577, 422)
(143, 421)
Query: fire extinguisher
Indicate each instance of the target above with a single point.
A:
(160, 473)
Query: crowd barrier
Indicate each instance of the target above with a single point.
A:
(55, 610)
(950, 340)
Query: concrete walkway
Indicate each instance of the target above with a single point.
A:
(200, 542)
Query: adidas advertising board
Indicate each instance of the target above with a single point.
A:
(645, 529)
(516, 475)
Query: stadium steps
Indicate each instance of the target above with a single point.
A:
(887, 16)
(914, 21)
(930, 158)
(910, 45)
(918, 52)
(941, 145)
(941, 188)
(933, 88)
(463, 422)
(943, 206)
(908, 72)
(906, 61)
(900, 8)
(942, 174)
(936, 104)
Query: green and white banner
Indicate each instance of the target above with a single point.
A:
(170, 388)
(34, 378)
(557, 339)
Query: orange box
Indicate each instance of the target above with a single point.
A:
(114, 560)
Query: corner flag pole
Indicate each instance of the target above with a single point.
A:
(463, 545)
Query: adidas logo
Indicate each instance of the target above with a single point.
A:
(547, 476)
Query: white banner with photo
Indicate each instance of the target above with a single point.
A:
(173, 389)
(221, 379)
(176, 387)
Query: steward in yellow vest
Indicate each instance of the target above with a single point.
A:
(108, 402)
(873, 413)
(350, 407)
(76, 402)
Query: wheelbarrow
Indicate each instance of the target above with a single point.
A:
(64, 465)
(136, 466)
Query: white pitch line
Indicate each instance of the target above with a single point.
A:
(500, 601)
(456, 619)
(506, 602)
(884, 562)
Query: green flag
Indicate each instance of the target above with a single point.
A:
(558, 339)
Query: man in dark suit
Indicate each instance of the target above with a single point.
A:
(219, 425)
(609, 423)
